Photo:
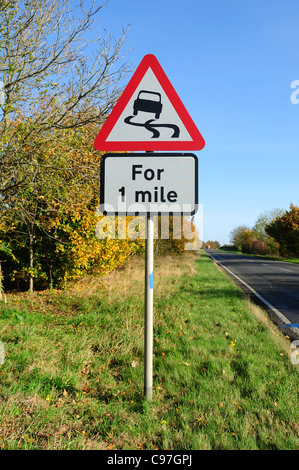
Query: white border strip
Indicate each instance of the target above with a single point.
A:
(277, 312)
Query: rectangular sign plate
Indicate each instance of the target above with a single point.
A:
(144, 183)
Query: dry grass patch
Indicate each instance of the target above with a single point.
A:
(281, 340)
(73, 372)
(129, 280)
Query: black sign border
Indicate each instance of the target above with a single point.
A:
(152, 155)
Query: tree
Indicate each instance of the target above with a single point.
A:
(264, 219)
(5, 251)
(265, 244)
(259, 247)
(54, 79)
(247, 239)
(59, 207)
(215, 245)
(236, 236)
(285, 230)
(43, 52)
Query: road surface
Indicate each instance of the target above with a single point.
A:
(273, 284)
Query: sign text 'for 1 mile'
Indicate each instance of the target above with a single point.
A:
(149, 184)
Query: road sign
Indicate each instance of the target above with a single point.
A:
(143, 183)
(149, 115)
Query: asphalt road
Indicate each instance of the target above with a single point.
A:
(273, 284)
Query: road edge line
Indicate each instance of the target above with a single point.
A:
(280, 315)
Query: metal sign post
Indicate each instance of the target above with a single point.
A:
(148, 306)
(147, 184)
(149, 115)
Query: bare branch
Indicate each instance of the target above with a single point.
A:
(55, 76)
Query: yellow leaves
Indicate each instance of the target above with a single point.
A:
(85, 252)
(85, 370)
(201, 420)
(86, 389)
(237, 405)
(28, 440)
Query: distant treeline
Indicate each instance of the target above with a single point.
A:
(275, 233)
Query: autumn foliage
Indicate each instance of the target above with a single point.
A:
(285, 230)
(49, 221)
(275, 233)
(57, 88)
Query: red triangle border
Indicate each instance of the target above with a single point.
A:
(149, 61)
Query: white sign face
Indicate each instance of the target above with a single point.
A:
(149, 114)
(149, 184)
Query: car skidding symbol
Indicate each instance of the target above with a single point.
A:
(148, 101)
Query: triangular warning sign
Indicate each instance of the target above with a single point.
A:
(149, 115)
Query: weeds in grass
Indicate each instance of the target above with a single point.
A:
(73, 371)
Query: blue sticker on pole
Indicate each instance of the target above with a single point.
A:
(290, 325)
(151, 280)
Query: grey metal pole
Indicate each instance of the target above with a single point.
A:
(148, 307)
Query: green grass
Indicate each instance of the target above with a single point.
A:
(273, 258)
(73, 371)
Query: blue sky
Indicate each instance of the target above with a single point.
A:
(232, 64)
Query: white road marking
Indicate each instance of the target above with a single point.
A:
(278, 313)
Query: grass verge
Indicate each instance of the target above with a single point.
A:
(272, 258)
(73, 371)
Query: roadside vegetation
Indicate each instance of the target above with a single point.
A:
(73, 371)
(275, 234)
(231, 249)
(59, 81)
(71, 304)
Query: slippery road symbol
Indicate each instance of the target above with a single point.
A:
(152, 127)
(150, 102)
